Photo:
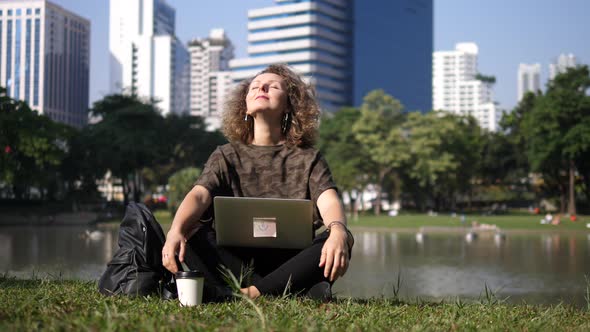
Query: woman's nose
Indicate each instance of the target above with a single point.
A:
(265, 87)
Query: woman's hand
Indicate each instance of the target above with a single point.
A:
(335, 257)
(184, 226)
(175, 242)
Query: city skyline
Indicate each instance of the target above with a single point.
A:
(45, 59)
(507, 33)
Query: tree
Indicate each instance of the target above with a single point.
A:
(126, 140)
(32, 146)
(345, 155)
(486, 78)
(187, 144)
(140, 146)
(179, 184)
(558, 131)
(444, 149)
(379, 130)
(512, 125)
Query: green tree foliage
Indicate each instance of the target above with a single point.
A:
(140, 146)
(441, 158)
(346, 156)
(179, 184)
(187, 144)
(379, 130)
(486, 78)
(32, 148)
(558, 131)
(126, 141)
(512, 126)
(444, 150)
(499, 162)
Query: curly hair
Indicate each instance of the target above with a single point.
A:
(302, 123)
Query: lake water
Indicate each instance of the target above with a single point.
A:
(533, 267)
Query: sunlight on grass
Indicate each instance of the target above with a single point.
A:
(76, 305)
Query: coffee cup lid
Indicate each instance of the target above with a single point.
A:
(189, 274)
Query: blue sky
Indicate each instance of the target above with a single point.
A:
(507, 32)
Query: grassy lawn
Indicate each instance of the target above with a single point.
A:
(27, 305)
(508, 221)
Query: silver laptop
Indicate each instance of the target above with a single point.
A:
(263, 222)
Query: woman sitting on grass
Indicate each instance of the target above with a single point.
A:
(271, 122)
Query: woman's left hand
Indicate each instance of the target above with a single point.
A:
(335, 257)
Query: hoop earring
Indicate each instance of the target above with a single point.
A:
(286, 123)
(246, 117)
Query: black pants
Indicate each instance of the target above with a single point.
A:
(272, 269)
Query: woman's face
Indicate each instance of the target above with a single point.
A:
(267, 93)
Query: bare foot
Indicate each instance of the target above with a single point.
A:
(251, 292)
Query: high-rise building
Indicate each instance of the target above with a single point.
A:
(314, 37)
(210, 78)
(347, 48)
(45, 57)
(146, 57)
(529, 79)
(393, 45)
(563, 62)
(457, 87)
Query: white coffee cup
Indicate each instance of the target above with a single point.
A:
(189, 285)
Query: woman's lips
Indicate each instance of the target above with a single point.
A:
(265, 97)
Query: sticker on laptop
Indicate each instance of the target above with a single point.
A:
(265, 227)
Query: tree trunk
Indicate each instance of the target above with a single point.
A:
(378, 188)
(353, 206)
(437, 202)
(136, 187)
(396, 192)
(18, 192)
(562, 199)
(125, 192)
(571, 209)
(470, 197)
(377, 206)
(587, 186)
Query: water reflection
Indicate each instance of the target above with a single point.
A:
(538, 268)
(56, 251)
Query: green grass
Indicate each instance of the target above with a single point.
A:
(27, 305)
(163, 216)
(509, 221)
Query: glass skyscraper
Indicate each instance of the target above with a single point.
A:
(44, 58)
(393, 45)
(313, 36)
(347, 48)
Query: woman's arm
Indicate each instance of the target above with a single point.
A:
(334, 257)
(185, 224)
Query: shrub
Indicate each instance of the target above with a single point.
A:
(179, 184)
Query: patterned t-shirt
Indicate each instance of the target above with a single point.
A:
(240, 170)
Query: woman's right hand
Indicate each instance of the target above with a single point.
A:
(175, 243)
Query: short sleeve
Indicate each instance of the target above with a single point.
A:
(320, 178)
(213, 177)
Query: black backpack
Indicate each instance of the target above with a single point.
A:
(136, 268)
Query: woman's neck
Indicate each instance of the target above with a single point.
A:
(266, 135)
